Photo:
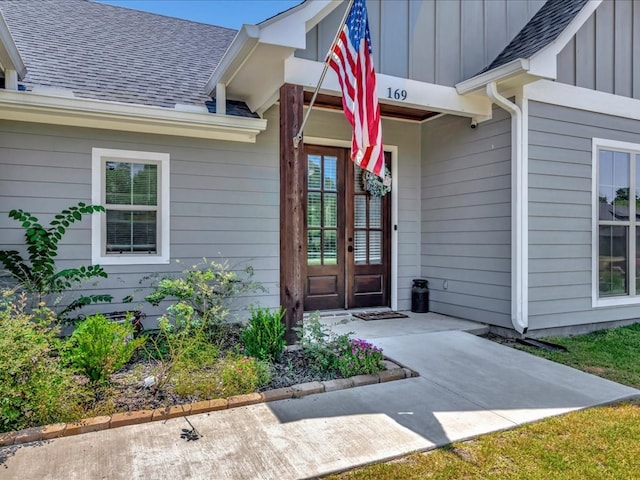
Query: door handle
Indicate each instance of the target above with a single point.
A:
(350, 239)
(350, 248)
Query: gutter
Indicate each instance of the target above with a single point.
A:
(80, 112)
(509, 70)
(519, 211)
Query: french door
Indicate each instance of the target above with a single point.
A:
(348, 247)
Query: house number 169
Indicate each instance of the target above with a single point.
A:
(396, 94)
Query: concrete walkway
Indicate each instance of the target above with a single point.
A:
(468, 386)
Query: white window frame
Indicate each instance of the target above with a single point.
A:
(98, 231)
(630, 298)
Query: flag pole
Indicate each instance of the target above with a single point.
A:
(298, 138)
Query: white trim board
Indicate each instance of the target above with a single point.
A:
(619, 300)
(98, 220)
(580, 98)
(422, 95)
(76, 112)
(393, 149)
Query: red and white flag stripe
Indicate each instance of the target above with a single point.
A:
(352, 62)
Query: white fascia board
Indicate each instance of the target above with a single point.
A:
(238, 52)
(287, 30)
(31, 107)
(479, 82)
(290, 28)
(9, 54)
(580, 98)
(544, 63)
(425, 96)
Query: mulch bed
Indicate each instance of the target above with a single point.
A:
(127, 391)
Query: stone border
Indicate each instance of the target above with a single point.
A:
(394, 371)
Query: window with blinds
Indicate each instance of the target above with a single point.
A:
(131, 202)
(133, 187)
(367, 224)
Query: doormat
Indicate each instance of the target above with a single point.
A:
(379, 315)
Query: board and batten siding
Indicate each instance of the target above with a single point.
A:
(466, 217)
(224, 199)
(560, 210)
(406, 136)
(604, 55)
(434, 41)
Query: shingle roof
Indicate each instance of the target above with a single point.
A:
(112, 53)
(545, 26)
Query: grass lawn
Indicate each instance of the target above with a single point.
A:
(598, 443)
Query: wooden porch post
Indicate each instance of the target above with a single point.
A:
(292, 209)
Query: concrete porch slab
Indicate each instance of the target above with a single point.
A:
(416, 323)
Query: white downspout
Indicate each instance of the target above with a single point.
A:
(519, 213)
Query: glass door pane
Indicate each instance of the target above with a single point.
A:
(322, 210)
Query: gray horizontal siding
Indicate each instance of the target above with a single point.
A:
(605, 53)
(560, 235)
(406, 136)
(466, 217)
(441, 41)
(224, 199)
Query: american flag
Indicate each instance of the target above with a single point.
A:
(351, 59)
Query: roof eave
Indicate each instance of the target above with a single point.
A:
(77, 112)
(510, 70)
(276, 39)
(10, 57)
(544, 62)
(240, 49)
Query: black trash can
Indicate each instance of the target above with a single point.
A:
(420, 296)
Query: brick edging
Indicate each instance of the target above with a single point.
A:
(394, 371)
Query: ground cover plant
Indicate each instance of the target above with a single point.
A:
(195, 354)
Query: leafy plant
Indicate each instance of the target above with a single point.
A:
(35, 387)
(179, 346)
(39, 275)
(357, 357)
(318, 343)
(209, 289)
(240, 374)
(99, 347)
(263, 336)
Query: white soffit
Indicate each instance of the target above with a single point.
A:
(252, 67)
(420, 95)
(541, 65)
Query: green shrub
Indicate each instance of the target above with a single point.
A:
(99, 347)
(39, 276)
(208, 289)
(239, 374)
(179, 346)
(263, 336)
(35, 388)
(357, 357)
(319, 343)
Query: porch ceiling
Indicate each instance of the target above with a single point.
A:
(386, 110)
